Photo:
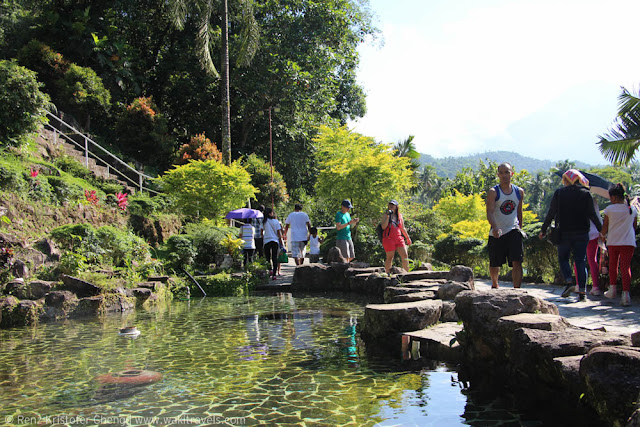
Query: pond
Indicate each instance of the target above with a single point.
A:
(238, 361)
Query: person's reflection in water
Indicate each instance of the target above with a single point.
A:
(350, 346)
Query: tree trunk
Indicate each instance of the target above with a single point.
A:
(226, 103)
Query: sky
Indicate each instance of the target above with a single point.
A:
(538, 77)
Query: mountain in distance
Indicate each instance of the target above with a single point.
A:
(449, 166)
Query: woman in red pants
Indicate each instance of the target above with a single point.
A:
(620, 220)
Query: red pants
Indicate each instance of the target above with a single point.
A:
(622, 254)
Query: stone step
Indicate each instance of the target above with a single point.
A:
(384, 320)
(437, 342)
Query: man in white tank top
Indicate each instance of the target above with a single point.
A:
(504, 213)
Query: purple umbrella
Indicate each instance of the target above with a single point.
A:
(244, 213)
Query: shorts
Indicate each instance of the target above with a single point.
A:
(297, 249)
(507, 247)
(346, 248)
(313, 258)
(391, 243)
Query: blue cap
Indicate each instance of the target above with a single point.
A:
(347, 204)
(393, 202)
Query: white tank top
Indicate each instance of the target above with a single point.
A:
(505, 214)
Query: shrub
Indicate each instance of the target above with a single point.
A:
(207, 241)
(223, 284)
(181, 251)
(72, 166)
(64, 190)
(12, 178)
(40, 189)
(50, 65)
(105, 244)
(260, 172)
(142, 205)
(540, 257)
(420, 251)
(199, 148)
(83, 94)
(22, 104)
(142, 134)
(121, 247)
(454, 250)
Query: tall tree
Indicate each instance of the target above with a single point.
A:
(620, 144)
(354, 167)
(203, 13)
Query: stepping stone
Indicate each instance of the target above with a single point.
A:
(383, 320)
(436, 342)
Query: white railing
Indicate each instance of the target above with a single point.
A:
(88, 142)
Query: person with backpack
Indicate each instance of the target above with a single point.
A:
(504, 213)
(393, 236)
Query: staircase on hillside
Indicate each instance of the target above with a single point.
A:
(82, 148)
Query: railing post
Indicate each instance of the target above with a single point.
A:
(86, 152)
(140, 179)
(55, 137)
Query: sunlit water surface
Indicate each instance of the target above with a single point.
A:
(274, 360)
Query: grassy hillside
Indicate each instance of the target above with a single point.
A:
(449, 166)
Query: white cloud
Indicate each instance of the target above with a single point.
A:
(459, 80)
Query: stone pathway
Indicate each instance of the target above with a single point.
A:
(593, 313)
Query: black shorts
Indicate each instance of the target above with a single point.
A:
(506, 247)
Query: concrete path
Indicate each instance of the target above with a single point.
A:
(593, 313)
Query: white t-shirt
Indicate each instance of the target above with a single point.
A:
(621, 232)
(298, 224)
(271, 228)
(247, 236)
(314, 245)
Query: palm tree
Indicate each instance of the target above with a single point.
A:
(406, 148)
(620, 144)
(203, 12)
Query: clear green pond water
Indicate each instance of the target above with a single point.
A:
(275, 360)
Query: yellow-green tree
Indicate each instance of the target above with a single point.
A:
(209, 188)
(355, 167)
(467, 217)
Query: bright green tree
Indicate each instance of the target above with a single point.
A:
(209, 188)
(355, 167)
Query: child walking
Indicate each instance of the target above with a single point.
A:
(247, 235)
(620, 220)
(314, 245)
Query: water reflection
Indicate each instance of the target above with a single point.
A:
(270, 359)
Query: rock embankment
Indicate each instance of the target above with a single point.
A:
(25, 303)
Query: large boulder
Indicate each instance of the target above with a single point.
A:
(111, 303)
(28, 312)
(384, 320)
(8, 305)
(33, 290)
(612, 378)
(532, 350)
(141, 295)
(371, 284)
(313, 277)
(80, 287)
(18, 288)
(449, 290)
(461, 273)
(58, 304)
(480, 311)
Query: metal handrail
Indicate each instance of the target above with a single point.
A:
(87, 140)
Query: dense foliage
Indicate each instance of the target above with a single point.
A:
(22, 103)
